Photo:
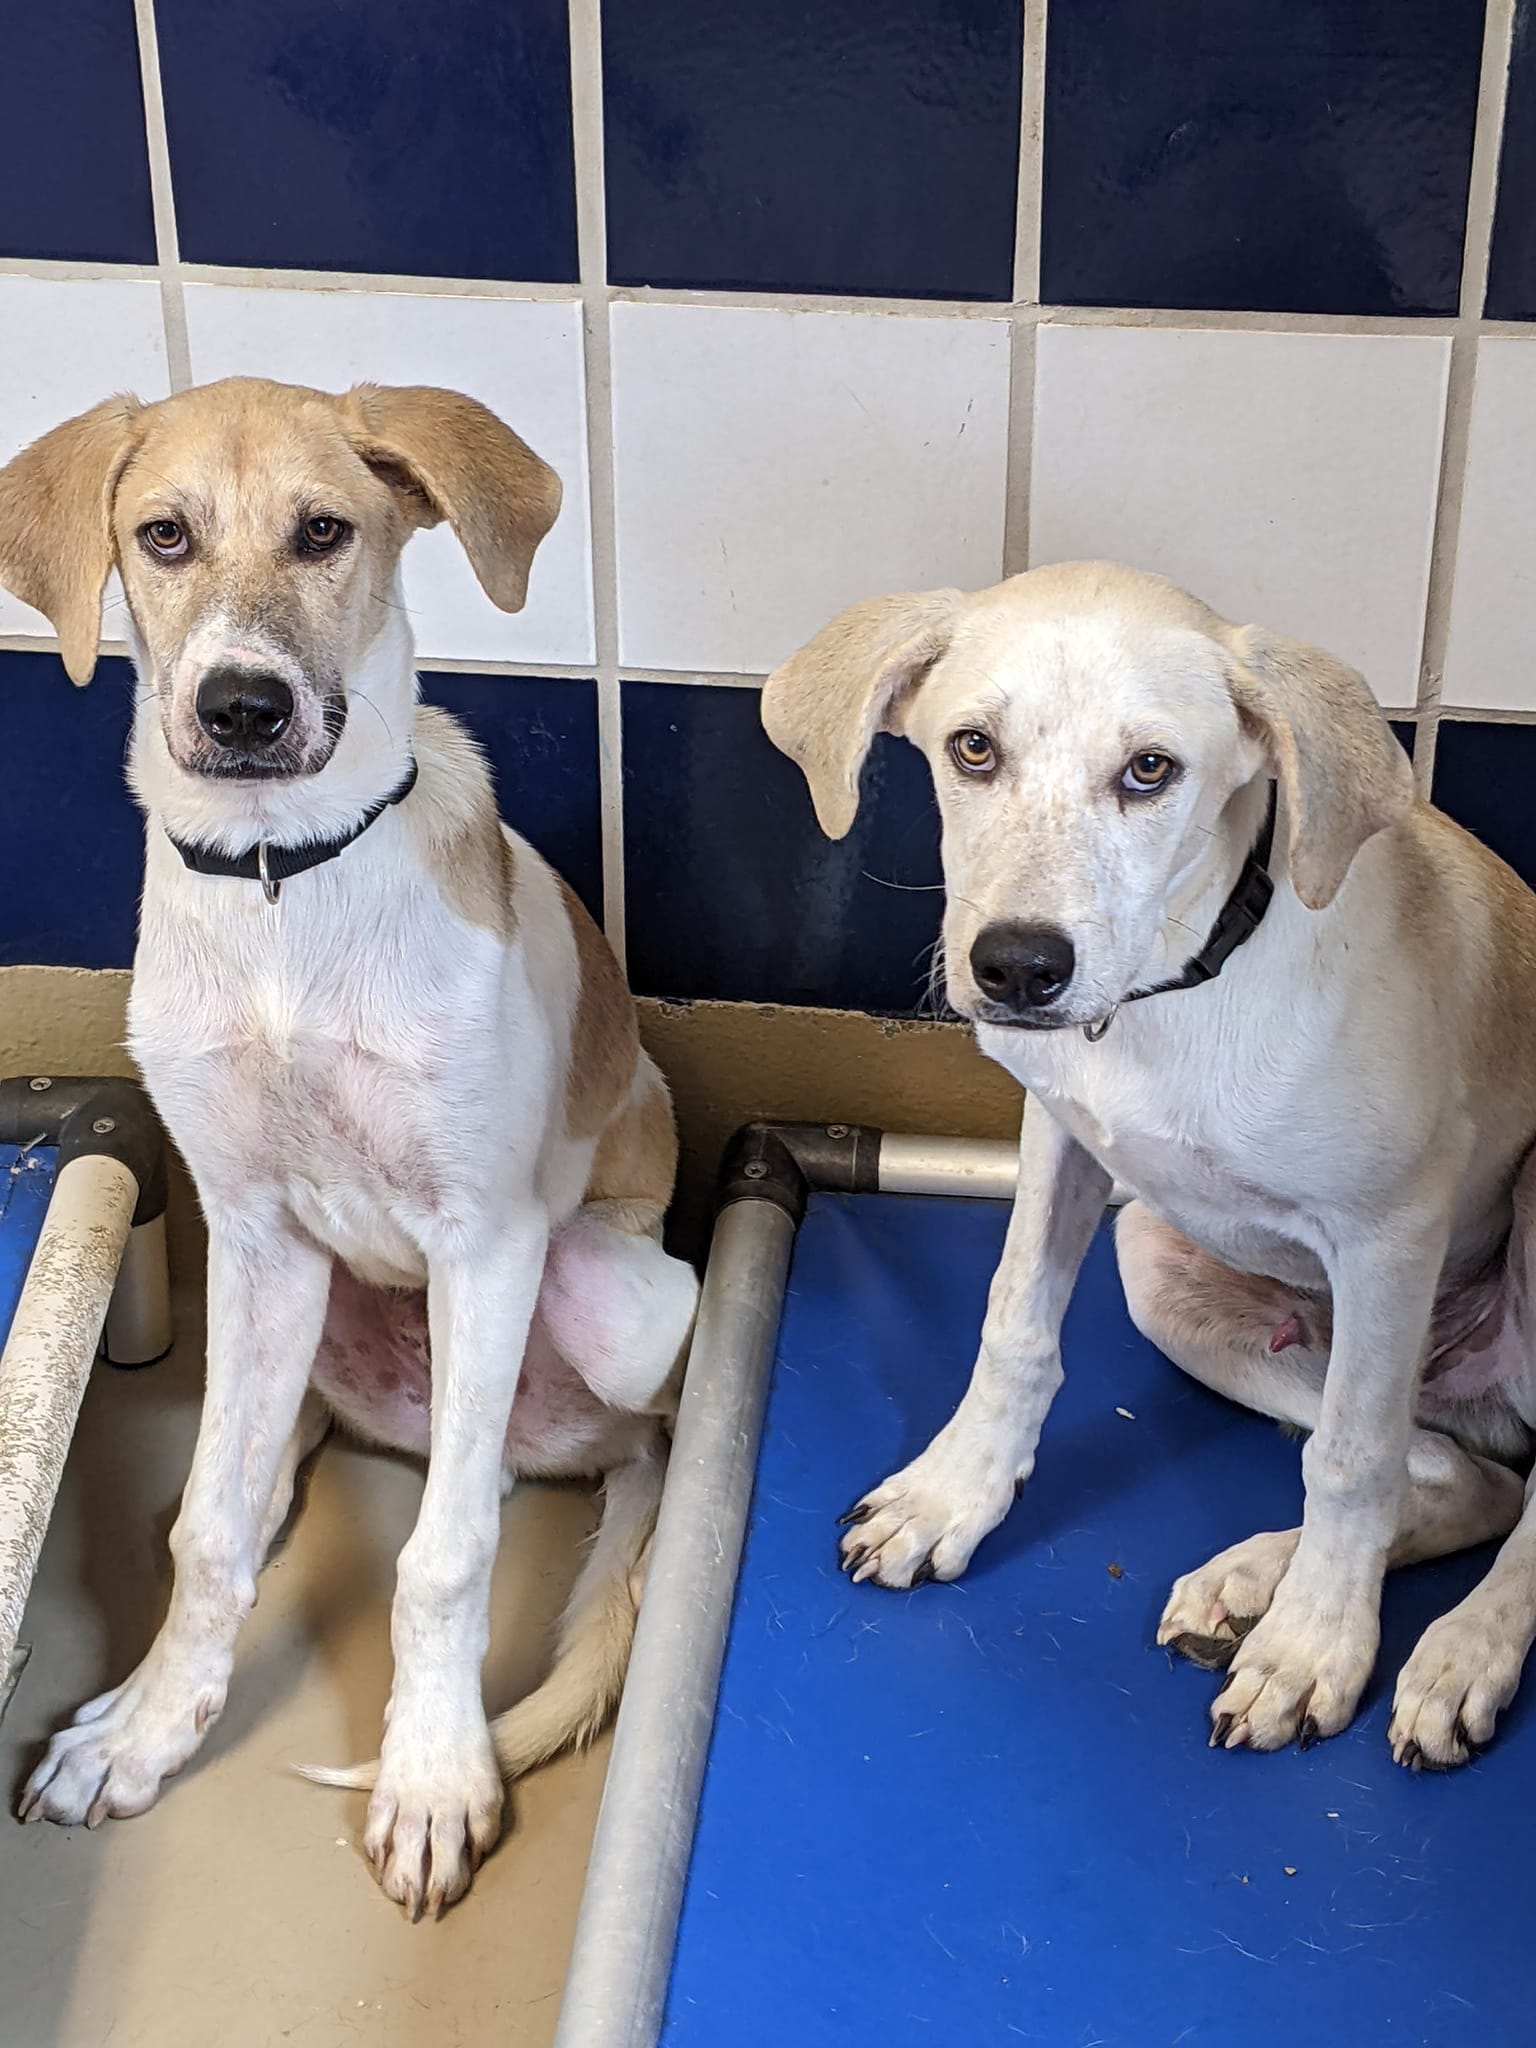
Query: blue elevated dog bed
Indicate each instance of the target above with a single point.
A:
(27, 1175)
(987, 1812)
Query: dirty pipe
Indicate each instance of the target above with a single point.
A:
(47, 1360)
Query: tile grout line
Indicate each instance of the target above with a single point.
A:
(1205, 319)
(49, 270)
(1482, 195)
(173, 304)
(1022, 347)
(397, 283)
(586, 33)
(1211, 319)
(474, 665)
(696, 678)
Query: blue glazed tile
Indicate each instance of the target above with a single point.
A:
(541, 738)
(390, 137)
(1483, 779)
(74, 168)
(1308, 158)
(72, 840)
(731, 890)
(1512, 258)
(71, 837)
(859, 146)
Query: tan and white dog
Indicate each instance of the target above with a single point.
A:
(1329, 1139)
(397, 1055)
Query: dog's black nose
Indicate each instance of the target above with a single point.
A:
(244, 709)
(1022, 966)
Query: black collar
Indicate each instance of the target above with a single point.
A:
(1239, 918)
(274, 865)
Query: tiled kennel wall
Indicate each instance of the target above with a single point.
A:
(806, 300)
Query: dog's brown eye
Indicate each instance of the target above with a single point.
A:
(1146, 774)
(322, 534)
(973, 752)
(166, 538)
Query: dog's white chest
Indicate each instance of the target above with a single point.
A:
(1218, 1155)
(357, 1161)
(288, 1080)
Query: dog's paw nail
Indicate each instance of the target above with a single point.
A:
(1211, 1653)
(1221, 1730)
(859, 1512)
(1310, 1734)
(855, 1556)
(1473, 1749)
(925, 1573)
(1410, 1756)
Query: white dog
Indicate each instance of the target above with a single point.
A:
(1324, 1103)
(396, 1054)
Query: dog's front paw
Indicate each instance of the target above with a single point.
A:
(110, 1762)
(1460, 1678)
(1296, 1677)
(434, 1815)
(1211, 1610)
(927, 1519)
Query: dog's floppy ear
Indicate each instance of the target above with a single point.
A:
(1344, 775)
(825, 704)
(56, 545)
(449, 457)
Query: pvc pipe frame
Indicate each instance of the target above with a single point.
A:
(47, 1360)
(616, 1988)
(138, 1327)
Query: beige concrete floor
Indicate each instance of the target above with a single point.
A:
(240, 1910)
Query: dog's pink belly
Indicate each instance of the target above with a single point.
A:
(374, 1368)
(1477, 1345)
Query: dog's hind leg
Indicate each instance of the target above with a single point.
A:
(618, 1308)
(1222, 1328)
(309, 1432)
(1466, 1667)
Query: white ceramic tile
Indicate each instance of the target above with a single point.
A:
(773, 467)
(1490, 662)
(1288, 479)
(64, 346)
(521, 358)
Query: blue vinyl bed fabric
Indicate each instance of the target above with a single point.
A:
(986, 1812)
(26, 1188)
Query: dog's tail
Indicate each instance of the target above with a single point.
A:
(574, 1703)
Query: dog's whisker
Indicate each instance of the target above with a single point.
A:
(934, 999)
(907, 888)
(362, 697)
